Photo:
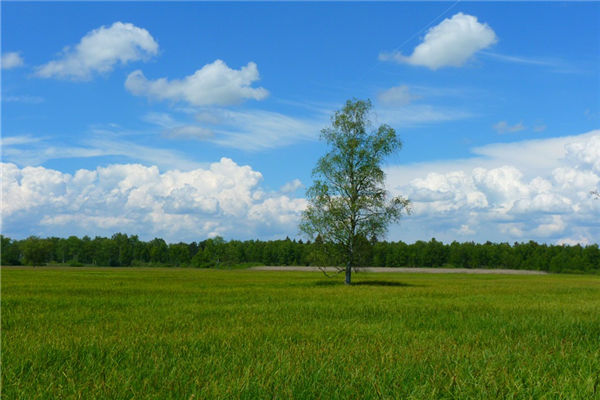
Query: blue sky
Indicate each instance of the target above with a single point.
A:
(188, 120)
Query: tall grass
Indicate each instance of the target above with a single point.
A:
(85, 333)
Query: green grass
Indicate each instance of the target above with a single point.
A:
(124, 333)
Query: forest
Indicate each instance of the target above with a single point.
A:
(122, 250)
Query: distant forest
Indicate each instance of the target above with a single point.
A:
(122, 250)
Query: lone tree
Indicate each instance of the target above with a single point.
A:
(348, 201)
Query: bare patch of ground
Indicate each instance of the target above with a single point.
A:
(412, 270)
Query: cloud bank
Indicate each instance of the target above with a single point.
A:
(223, 199)
(528, 190)
(450, 44)
(99, 51)
(537, 189)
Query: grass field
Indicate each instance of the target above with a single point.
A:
(192, 334)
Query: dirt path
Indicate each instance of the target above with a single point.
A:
(413, 270)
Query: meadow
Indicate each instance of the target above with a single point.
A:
(169, 333)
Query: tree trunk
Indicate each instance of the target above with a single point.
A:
(348, 273)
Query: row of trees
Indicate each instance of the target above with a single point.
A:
(124, 250)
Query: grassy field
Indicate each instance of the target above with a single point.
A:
(84, 333)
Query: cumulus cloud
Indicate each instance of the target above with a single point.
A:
(503, 127)
(451, 43)
(213, 84)
(500, 195)
(12, 60)
(99, 51)
(222, 199)
(534, 189)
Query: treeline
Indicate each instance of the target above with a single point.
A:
(123, 250)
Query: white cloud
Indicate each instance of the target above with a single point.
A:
(213, 84)
(551, 225)
(99, 51)
(394, 105)
(190, 132)
(554, 64)
(497, 195)
(251, 130)
(12, 60)
(574, 241)
(161, 119)
(534, 189)
(23, 99)
(224, 198)
(398, 95)
(522, 60)
(585, 153)
(503, 127)
(29, 150)
(18, 140)
(258, 130)
(465, 230)
(174, 129)
(417, 114)
(291, 186)
(451, 43)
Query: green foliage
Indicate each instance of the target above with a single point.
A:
(9, 251)
(347, 202)
(122, 250)
(36, 251)
(101, 333)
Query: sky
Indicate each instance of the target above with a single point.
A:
(190, 120)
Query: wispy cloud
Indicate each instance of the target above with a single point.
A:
(164, 158)
(554, 64)
(28, 150)
(260, 130)
(19, 140)
(398, 95)
(419, 114)
(12, 60)
(255, 130)
(174, 129)
(521, 59)
(23, 99)
(250, 130)
(504, 127)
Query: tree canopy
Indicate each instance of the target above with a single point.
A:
(348, 202)
(123, 250)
